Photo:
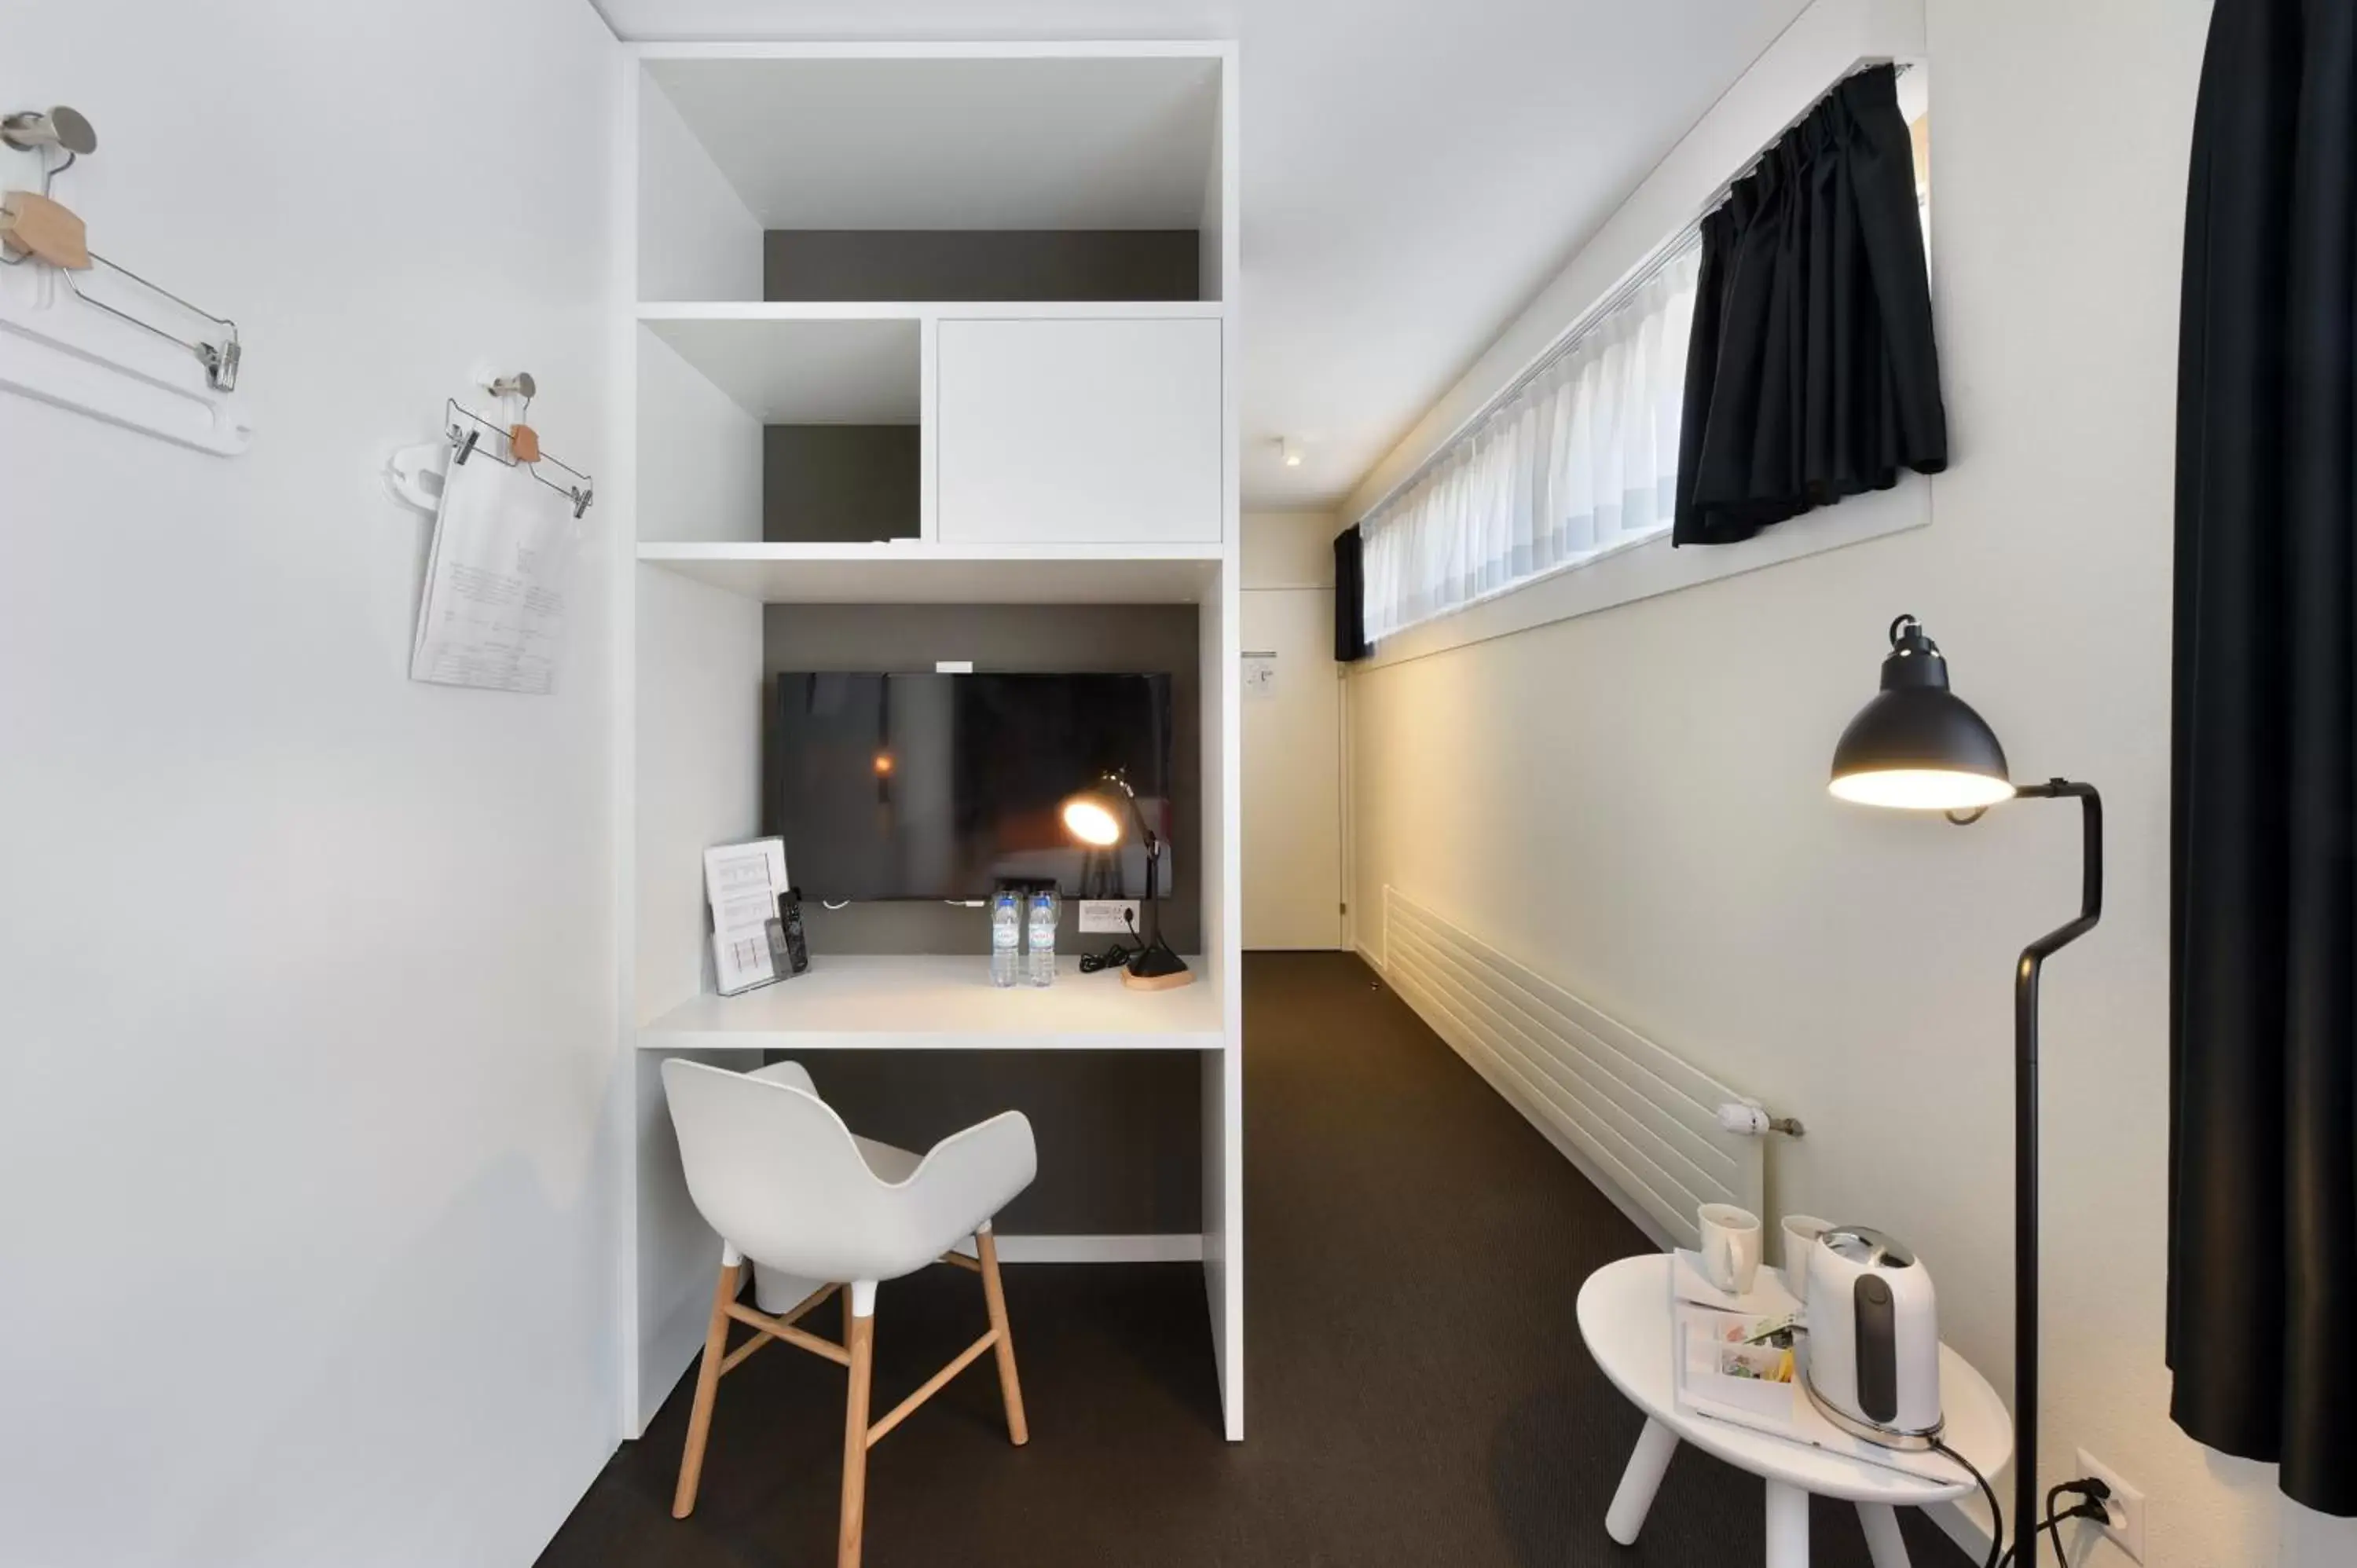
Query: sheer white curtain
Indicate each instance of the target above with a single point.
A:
(1577, 463)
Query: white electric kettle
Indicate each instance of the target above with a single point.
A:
(1874, 1338)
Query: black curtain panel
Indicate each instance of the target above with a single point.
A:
(1811, 373)
(2263, 1084)
(1350, 598)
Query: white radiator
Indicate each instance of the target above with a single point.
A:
(1640, 1123)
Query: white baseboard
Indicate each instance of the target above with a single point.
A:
(1184, 1247)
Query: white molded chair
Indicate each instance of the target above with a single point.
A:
(817, 1210)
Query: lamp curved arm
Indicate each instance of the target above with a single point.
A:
(2091, 887)
(1117, 779)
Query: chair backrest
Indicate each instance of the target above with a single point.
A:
(773, 1169)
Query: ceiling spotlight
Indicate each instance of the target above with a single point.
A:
(61, 127)
(1291, 450)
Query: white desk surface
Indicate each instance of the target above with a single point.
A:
(930, 1003)
(1624, 1316)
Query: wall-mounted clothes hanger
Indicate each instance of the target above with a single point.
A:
(36, 226)
(466, 430)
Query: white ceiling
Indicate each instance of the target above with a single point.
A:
(1413, 170)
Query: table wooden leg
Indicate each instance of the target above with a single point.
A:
(1884, 1544)
(1787, 1526)
(1639, 1482)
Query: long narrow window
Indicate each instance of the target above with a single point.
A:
(1579, 461)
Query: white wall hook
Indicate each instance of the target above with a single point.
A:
(414, 474)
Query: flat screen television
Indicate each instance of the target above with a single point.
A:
(944, 786)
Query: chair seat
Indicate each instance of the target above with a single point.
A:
(774, 1290)
(888, 1164)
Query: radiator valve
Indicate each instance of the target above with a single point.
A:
(1750, 1119)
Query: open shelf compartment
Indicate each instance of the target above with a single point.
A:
(782, 429)
(950, 172)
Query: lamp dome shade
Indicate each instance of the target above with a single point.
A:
(1093, 820)
(1918, 746)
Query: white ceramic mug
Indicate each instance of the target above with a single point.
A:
(1730, 1246)
(1801, 1234)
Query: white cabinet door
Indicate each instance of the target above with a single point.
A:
(1081, 432)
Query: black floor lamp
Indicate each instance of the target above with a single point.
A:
(1918, 746)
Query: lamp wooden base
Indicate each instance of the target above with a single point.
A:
(1170, 982)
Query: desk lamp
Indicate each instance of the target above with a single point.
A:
(1097, 817)
(1918, 747)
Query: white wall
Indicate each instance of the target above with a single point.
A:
(308, 969)
(1289, 549)
(1633, 803)
(1292, 735)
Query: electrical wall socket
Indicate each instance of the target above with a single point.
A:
(2126, 1525)
(1104, 916)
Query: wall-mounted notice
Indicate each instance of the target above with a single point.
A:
(1259, 675)
(494, 614)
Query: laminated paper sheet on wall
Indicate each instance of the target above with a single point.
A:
(494, 614)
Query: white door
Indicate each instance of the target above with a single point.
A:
(1292, 770)
(1080, 431)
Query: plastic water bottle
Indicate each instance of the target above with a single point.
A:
(1043, 939)
(1006, 938)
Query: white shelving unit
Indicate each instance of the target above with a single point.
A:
(750, 311)
(724, 143)
(917, 572)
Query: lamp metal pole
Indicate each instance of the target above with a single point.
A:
(2027, 1513)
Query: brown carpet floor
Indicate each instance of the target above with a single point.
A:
(1416, 1391)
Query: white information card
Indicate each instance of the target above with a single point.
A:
(743, 881)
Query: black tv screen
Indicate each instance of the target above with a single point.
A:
(944, 786)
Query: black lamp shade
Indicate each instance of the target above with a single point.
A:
(1918, 745)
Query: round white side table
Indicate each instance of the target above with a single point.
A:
(1624, 1316)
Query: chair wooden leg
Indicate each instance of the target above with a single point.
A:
(1010, 1387)
(859, 1336)
(707, 1386)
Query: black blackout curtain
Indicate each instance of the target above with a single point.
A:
(1811, 372)
(2263, 1158)
(1350, 598)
